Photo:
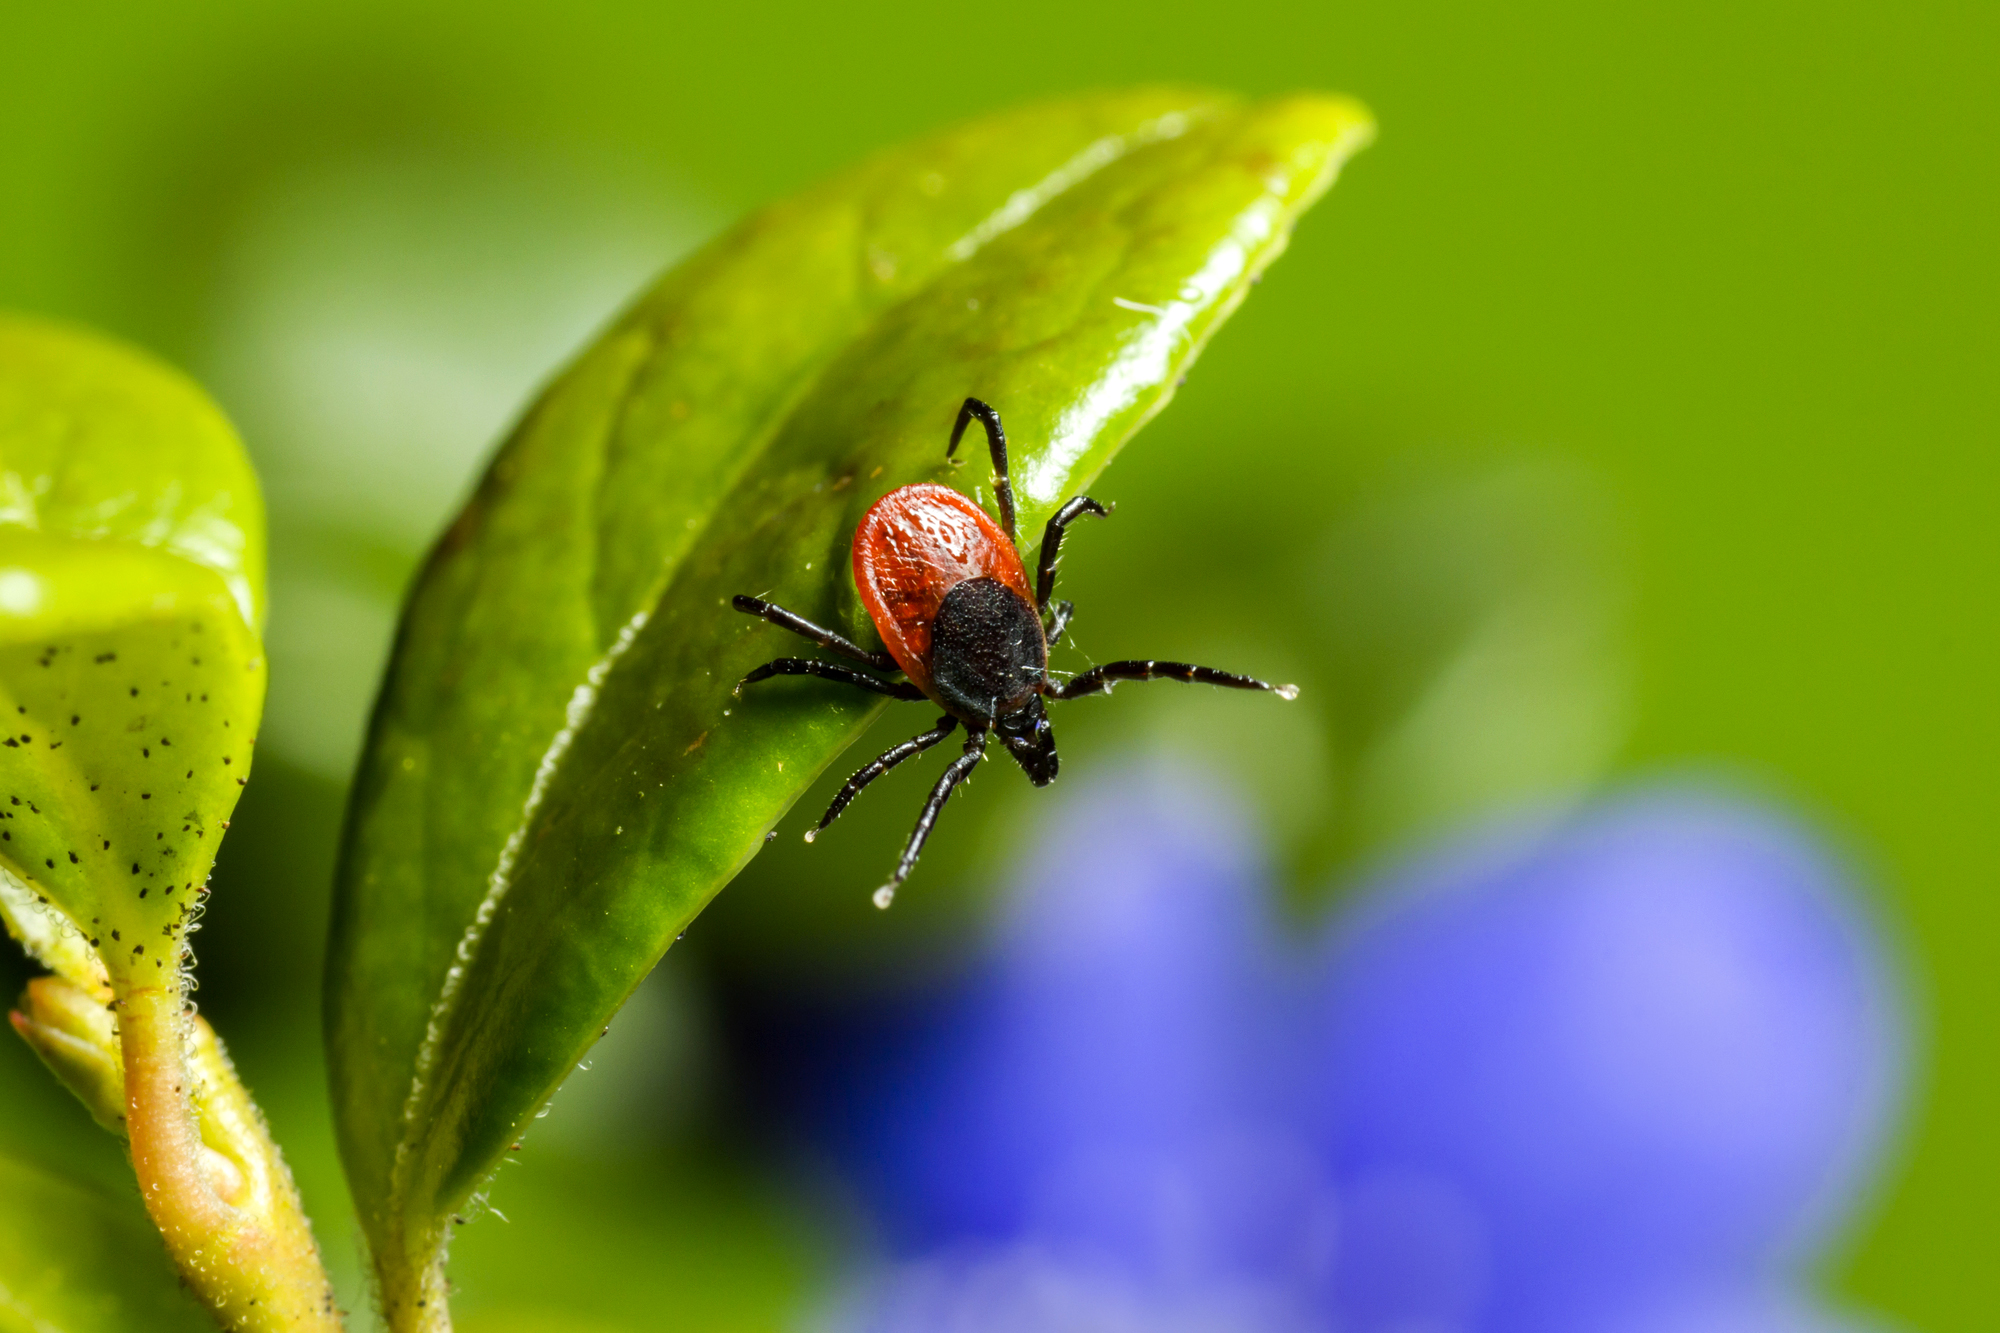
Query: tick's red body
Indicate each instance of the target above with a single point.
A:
(912, 547)
(950, 597)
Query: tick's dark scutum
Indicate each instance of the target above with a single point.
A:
(988, 657)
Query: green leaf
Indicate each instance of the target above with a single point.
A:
(558, 778)
(75, 1261)
(131, 674)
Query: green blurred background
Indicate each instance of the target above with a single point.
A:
(1631, 405)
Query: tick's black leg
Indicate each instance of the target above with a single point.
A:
(806, 666)
(975, 750)
(1058, 622)
(883, 762)
(1100, 679)
(825, 638)
(1045, 576)
(1003, 489)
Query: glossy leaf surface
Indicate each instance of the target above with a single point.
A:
(131, 673)
(75, 1261)
(558, 778)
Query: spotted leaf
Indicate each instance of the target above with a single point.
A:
(131, 671)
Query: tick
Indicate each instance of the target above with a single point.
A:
(949, 595)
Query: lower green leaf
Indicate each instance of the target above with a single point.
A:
(132, 687)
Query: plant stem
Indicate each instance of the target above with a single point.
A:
(415, 1300)
(215, 1184)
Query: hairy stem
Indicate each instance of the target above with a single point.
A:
(415, 1300)
(211, 1176)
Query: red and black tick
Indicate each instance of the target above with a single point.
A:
(949, 595)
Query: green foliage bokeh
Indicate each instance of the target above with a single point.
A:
(1718, 278)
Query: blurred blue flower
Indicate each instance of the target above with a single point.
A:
(1625, 1073)
(1649, 1053)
